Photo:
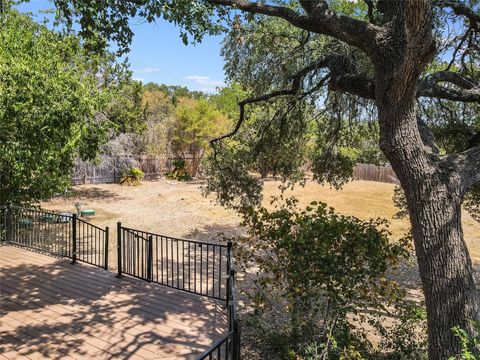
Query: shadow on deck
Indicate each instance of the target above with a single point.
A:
(51, 309)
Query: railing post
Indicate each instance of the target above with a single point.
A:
(107, 231)
(236, 340)
(229, 267)
(8, 224)
(150, 259)
(74, 239)
(119, 249)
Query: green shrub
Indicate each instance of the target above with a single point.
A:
(132, 177)
(179, 171)
(470, 344)
(321, 279)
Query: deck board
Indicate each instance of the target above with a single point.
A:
(50, 309)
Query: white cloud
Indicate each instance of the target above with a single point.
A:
(147, 70)
(203, 80)
(197, 78)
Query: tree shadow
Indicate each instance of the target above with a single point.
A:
(76, 311)
(214, 233)
(91, 193)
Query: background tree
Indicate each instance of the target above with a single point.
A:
(381, 52)
(160, 119)
(196, 123)
(125, 110)
(174, 91)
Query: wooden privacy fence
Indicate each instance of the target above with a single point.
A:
(110, 168)
(371, 172)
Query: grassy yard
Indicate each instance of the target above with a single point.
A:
(179, 209)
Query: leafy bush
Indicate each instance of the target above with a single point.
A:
(49, 96)
(179, 171)
(132, 177)
(470, 345)
(320, 280)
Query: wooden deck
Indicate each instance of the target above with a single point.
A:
(51, 309)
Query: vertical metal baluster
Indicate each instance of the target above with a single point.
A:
(156, 258)
(161, 255)
(149, 259)
(213, 270)
(183, 264)
(81, 237)
(171, 263)
(129, 243)
(74, 239)
(35, 240)
(227, 347)
(97, 247)
(42, 235)
(220, 272)
(143, 257)
(105, 249)
(201, 268)
(189, 267)
(178, 264)
(195, 267)
(119, 249)
(207, 271)
(166, 256)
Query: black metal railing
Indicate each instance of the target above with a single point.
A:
(91, 243)
(229, 346)
(60, 234)
(193, 266)
(221, 350)
(40, 230)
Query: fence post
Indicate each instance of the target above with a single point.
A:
(150, 259)
(74, 239)
(107, 231)
(114, 170)
(119, 249)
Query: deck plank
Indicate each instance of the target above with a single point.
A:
(50, 309)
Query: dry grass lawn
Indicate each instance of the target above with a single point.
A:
(178, 209)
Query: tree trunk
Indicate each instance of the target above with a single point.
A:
(444, 264)
(434, 200)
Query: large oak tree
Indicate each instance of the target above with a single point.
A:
(393, 50)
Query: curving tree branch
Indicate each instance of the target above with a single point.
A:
(319, 19)
(338, 65)
(467, 164)
(461, 9)
(466, 90)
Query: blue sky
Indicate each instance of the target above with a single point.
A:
(157, 54)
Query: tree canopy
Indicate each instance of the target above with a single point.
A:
(49, 97)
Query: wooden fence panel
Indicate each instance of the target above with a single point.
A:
(110, 169)
(371, 172)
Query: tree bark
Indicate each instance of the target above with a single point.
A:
(434, 198)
